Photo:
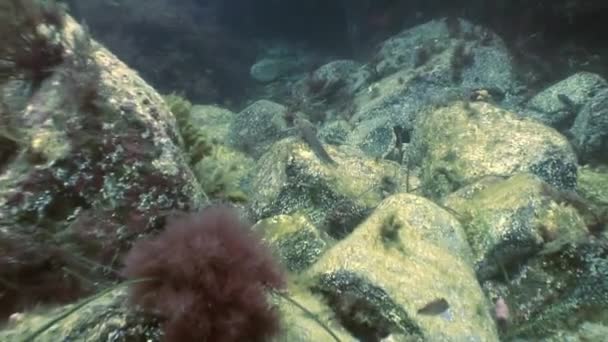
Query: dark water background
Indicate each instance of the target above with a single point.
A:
(177, 43)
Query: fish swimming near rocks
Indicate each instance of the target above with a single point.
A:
(436, 307)
(308, 133)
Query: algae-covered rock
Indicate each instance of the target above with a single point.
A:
(590, 128)
(375, 137)
(464, 142)
(299, 326)
(327, 91)
(97, 163)
(104, 318)
(219, 168)
(336, 197)
(593, 185)
(213, 121)
(343, 73)
(558, 105)
(222, 173)
(408, 253)
(508, 221)
(257, 127)
(335, 132)
(432, 63)
(533, 248)
(297, 242)
(588, 332)
(557, 290)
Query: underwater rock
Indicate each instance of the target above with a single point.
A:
(298, 326)
(557, 172)
(463, 142)
(558, 105)
(219, 168)
(97, 162)
(104, 317)
(290, 178)
(408, 253)
(593, 185)
(212, 121)
(222, 173)
(435, 63)
(375, 137)
(327, 93)
(257, 127)
(416, 46)
(590, 129)
(335, 132)
(585, 332)
(349, 74)
(559, 289)
(509, 221)
(296, 241)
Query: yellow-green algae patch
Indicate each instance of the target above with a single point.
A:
(593, 185)
(295, 240)
(427, 259)
(464, 142)
(290, 177)
(299, 326)
(508, 220)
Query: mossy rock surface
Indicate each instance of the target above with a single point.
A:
(524, 235)
(464, 142)
(296, 241)
(256, 128)
(408, 253)
(593, 185)
(290, 178)
(98, 163)
(213, 121)
(509, 220)
(103, 319)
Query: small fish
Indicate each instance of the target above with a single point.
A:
(435, 307)
(307, 131)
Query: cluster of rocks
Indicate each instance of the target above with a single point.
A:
(449, 184)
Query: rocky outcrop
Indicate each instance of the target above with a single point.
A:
(95, 161)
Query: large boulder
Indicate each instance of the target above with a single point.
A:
(409, 253)
(290, 178)
(590, 128)
(558, 105)
(432, 63)
(94, 162)
(464, 142)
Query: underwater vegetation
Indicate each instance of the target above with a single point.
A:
(218, 168)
